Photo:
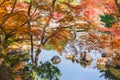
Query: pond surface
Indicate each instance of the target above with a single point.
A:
(73, 71)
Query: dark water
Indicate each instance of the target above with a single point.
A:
(73, 71)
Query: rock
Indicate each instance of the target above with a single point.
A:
(78, 60)
(100, 67)
(104, 54)
(69, 56)
(73, 59)
(114, 72)
(102, 59)
(103, 62)
(86, 57)
(56, 59)
(84, 63)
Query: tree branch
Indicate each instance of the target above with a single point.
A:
(30, 18)
(50, 37)
(8, 14)
(53, 5)
(30, 33)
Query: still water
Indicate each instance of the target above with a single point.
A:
(73, 71)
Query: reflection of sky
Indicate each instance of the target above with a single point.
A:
(72, 71)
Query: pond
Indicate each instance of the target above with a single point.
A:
(73, 71)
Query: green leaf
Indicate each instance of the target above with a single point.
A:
(60, 74)
(44, 79)
(109, 20)
(25, 0)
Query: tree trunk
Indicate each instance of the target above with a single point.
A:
(37, 55)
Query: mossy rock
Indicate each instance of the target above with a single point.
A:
(115, 72)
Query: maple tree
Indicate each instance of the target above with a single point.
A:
(107, 8)
(103, 30)
(23, 21)
(53, 24)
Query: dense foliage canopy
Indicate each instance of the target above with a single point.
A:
(55, 25)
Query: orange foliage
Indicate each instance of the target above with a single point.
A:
(17, 77)
(115, 30)
(36, 31)
(19, 66)
(20, 6)
(15, 23)
(116, 43)
(91, 9)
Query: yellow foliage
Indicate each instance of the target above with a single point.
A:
(18, 67)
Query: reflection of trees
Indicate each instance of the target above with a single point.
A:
(111, 73)
(77, 53)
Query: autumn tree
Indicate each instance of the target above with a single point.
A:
(13, 25)
(32, 21)
(55, 23)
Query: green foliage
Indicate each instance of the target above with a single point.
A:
(109, 20)
(45, 71)
(44, 79)
(10, 41)
(14, 59)
(62, 0)
(49, 71)
(10, 63)
(25, 0)
(69, 1)
(50, 46)
(29, 72)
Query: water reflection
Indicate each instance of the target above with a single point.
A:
(73, 71)
(84, 58)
